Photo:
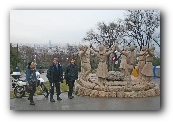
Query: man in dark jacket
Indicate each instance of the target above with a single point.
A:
(32, 79)
(55, 76)
(71, 75)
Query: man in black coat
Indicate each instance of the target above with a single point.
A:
(55, 76)
(71, 74)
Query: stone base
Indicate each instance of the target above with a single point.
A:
(121, 89)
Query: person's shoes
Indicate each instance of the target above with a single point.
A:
(29, 98)
(52, 100)
(71, 97)
(32, 103)
(58, 98)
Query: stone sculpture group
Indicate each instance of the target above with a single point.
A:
(115, 83)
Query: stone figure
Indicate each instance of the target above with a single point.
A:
(131, 57)
(102, 53)
(84, 54)
(114, 83)
(147, 69)
(123, 65)
(141, 62)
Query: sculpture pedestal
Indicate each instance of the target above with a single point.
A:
(122, 89)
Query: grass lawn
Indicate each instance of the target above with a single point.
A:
(63, 88)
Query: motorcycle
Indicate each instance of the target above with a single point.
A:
(40, 83)
(20, 86)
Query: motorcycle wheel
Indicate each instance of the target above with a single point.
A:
(44, 90)
(19, 92)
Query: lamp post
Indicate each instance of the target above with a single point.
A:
(35, 63)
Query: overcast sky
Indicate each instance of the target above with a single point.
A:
(59, 26)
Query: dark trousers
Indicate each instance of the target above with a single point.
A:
(57, 85)
(32, 91)
(71, 85)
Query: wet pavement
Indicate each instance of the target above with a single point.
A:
(87, 103)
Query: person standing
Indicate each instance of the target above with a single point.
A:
(32, 79)
(71, 74)
(55, 76)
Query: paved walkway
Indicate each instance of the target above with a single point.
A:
(86, 103)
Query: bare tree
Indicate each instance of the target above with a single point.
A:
(27, 52)
(143, 27)
(107, 34)
(72, 50)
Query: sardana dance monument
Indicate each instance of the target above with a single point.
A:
(114, 83)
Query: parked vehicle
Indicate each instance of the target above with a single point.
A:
(20, 86)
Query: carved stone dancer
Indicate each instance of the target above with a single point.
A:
(147, 69)
(102, 70)
(84, 54)
(141, 62)
(123, 65)
(131, 57)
